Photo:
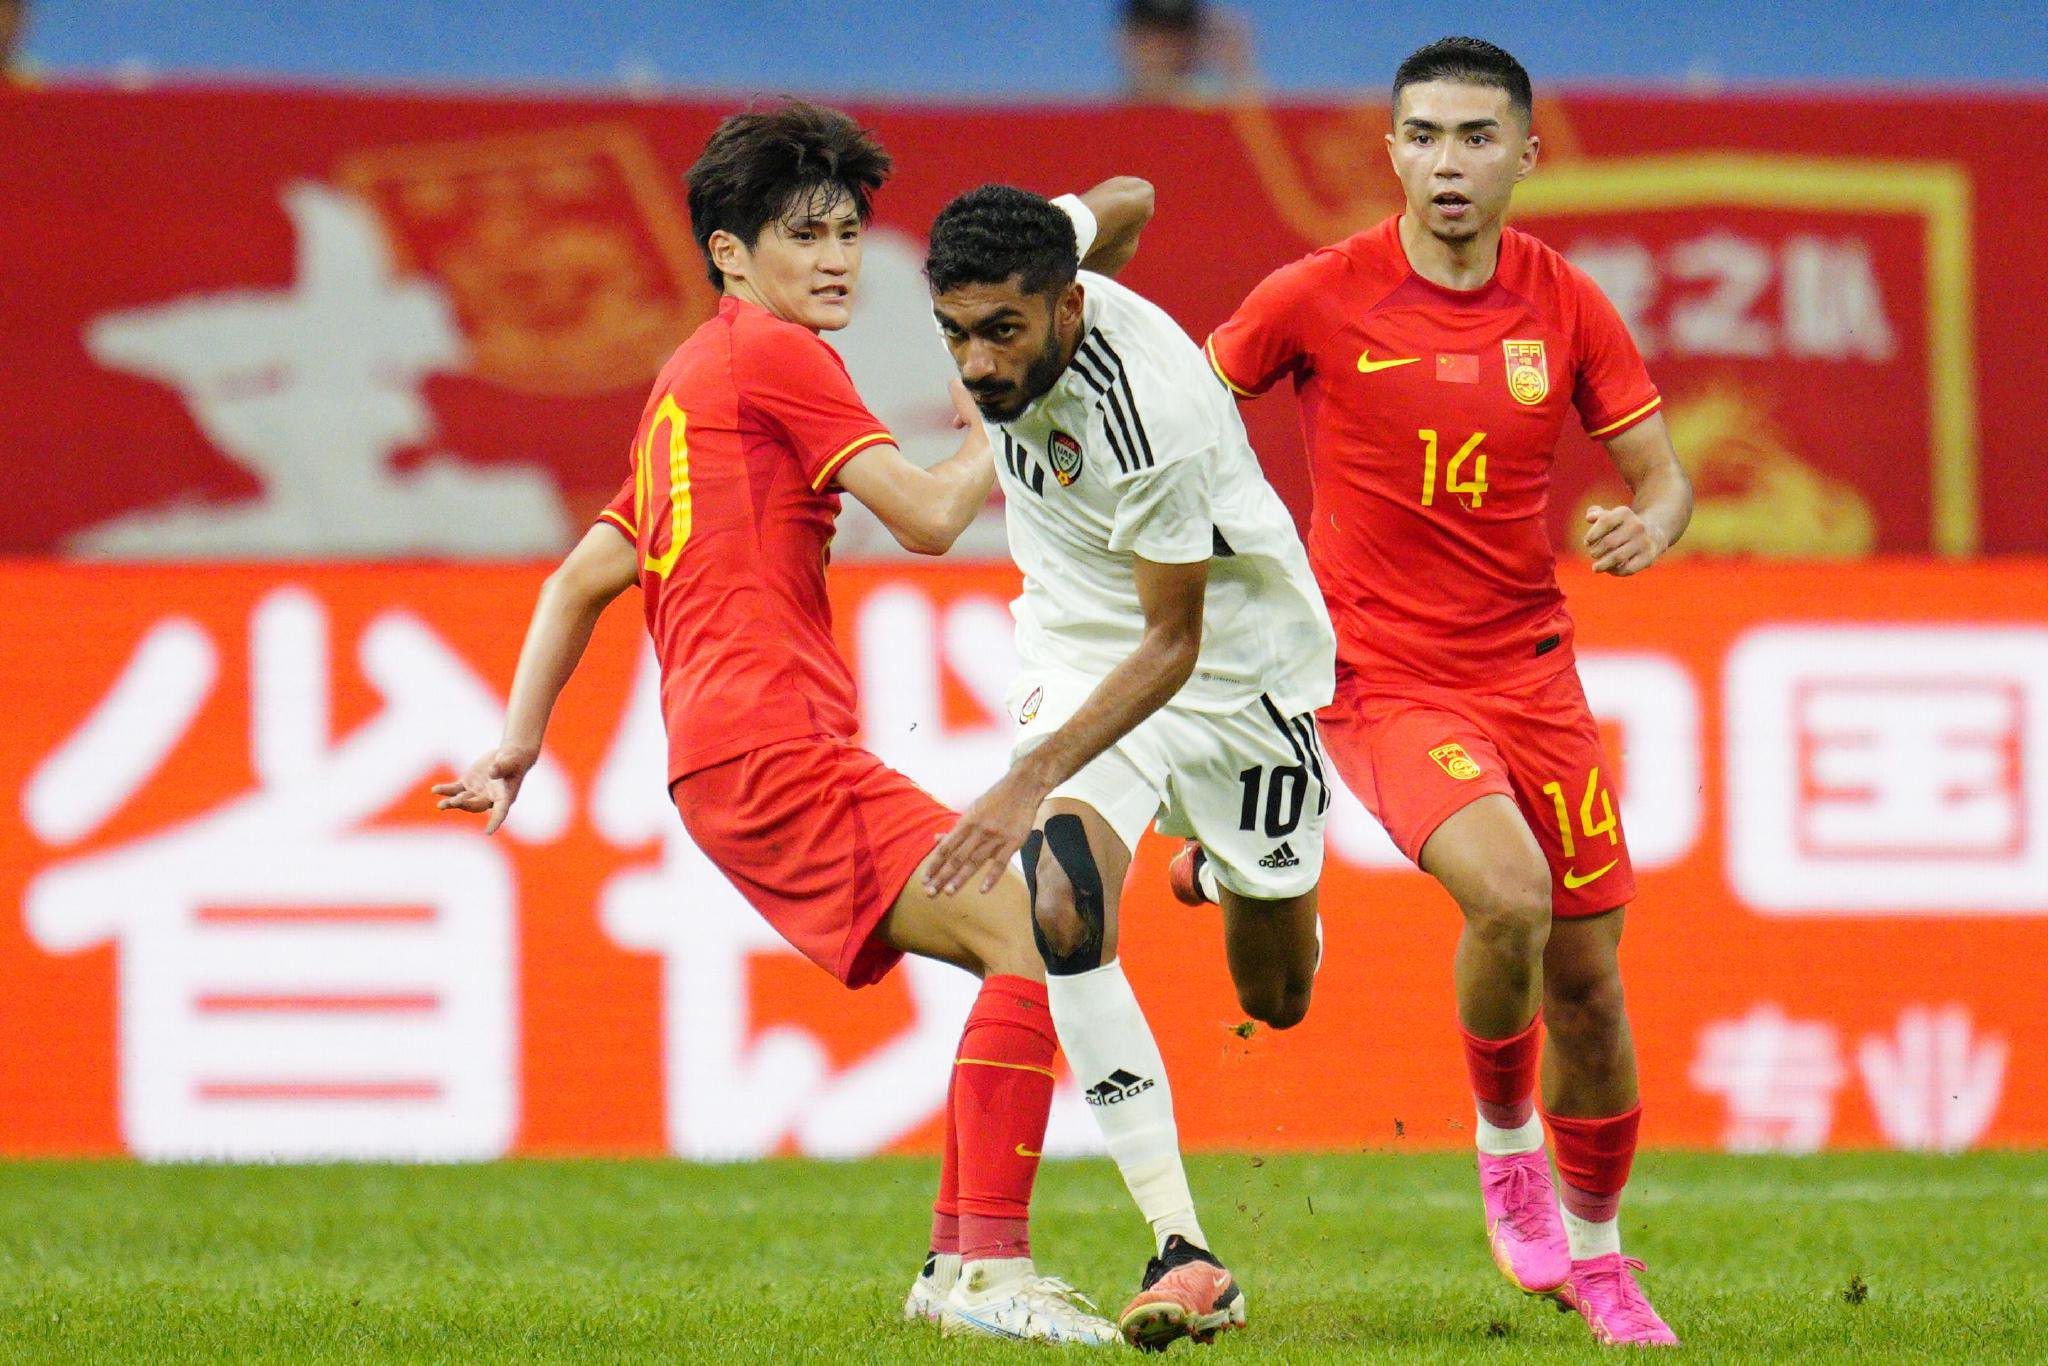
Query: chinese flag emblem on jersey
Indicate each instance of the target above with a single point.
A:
(1528, 375)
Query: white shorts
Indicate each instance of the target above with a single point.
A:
(1249, 785)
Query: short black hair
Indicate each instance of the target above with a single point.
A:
(1171, 16)
(763, 165)
(1468, 61)
(994, 232)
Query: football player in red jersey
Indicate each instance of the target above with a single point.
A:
(750, 433)
(1437, 357)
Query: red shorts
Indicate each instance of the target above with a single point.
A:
(1417, 756)
(820, 837)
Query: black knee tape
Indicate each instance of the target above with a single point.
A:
(1032, 844)
(1068, 840)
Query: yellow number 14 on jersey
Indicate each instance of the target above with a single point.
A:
(1475, 487)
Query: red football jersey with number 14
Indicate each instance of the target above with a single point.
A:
(730, 504)
(1431, 418)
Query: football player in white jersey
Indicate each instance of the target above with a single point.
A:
(1174, 649)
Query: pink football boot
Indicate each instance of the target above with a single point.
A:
(1523, 1226)
(1604, 1291)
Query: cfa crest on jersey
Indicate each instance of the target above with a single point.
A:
(1065, 454)
(1028, 713)
(1528, 372)
(1453, 758)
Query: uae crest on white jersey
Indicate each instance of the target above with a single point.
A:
(1065, 454)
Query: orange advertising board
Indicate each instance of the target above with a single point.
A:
(236, 927)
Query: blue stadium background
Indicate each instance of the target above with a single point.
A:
(957, 49)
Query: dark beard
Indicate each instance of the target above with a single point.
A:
(1039, 377)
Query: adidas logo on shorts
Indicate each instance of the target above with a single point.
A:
(1283, 857)
(1118, 1086)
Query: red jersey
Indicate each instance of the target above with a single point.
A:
(1431, 418)
(731, 504)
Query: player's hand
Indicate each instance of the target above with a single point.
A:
(989, 832)
(490, 784)
(965, 415)
(1620, 542)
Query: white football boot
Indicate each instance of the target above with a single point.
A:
(1009, 1299)
(927, 1298)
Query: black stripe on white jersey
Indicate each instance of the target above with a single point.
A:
(1123, 380)
(1106, 403)
(1115, 387)
(1030, 475)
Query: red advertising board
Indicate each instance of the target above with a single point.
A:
(237, 927)
(244, 322)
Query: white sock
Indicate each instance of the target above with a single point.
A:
(1495, 1141)
(1116, 1059)
(945, 1269)
(992, 1273)
(1589, 1239)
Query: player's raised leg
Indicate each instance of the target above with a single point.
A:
(1274, 948)
(1591, 1101)
(980, 1277)
(1486, 857)
(1077, 862)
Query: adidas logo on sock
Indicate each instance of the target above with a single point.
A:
(1283, 857)
(1118, 1086)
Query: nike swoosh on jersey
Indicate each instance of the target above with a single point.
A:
(1023, 1151)
(1366, 364)
(1573, 879)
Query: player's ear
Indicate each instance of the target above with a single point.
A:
(1530, 148)
(729, 254)
(1067, 312)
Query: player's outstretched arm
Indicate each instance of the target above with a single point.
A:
(1628, 540)
(1122, 206)
(999, 822)
(602, 566)
(926, 510)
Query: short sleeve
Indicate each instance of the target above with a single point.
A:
(1263, 340)
(1163, 514)
(620, 512)
(798, 387)
(1611, 385)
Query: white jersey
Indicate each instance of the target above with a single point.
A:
(1137, 450)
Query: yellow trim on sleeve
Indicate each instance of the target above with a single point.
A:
(621, 523)
(1209, 350)
(846, 453)
(1619, 423)
(1013, 1066)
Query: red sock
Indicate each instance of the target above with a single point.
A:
(1593, 1158)
(1503, 1073)
(1002, 1092)
(946, 1209)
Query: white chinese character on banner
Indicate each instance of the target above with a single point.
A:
(733, 1091)
(1778, 1076)
(1934, 1084)
(314, 389)
(291, 986)
(1879, 770)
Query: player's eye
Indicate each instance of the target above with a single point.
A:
(1003, 332)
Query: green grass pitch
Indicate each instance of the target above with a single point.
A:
(1374, 1256)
